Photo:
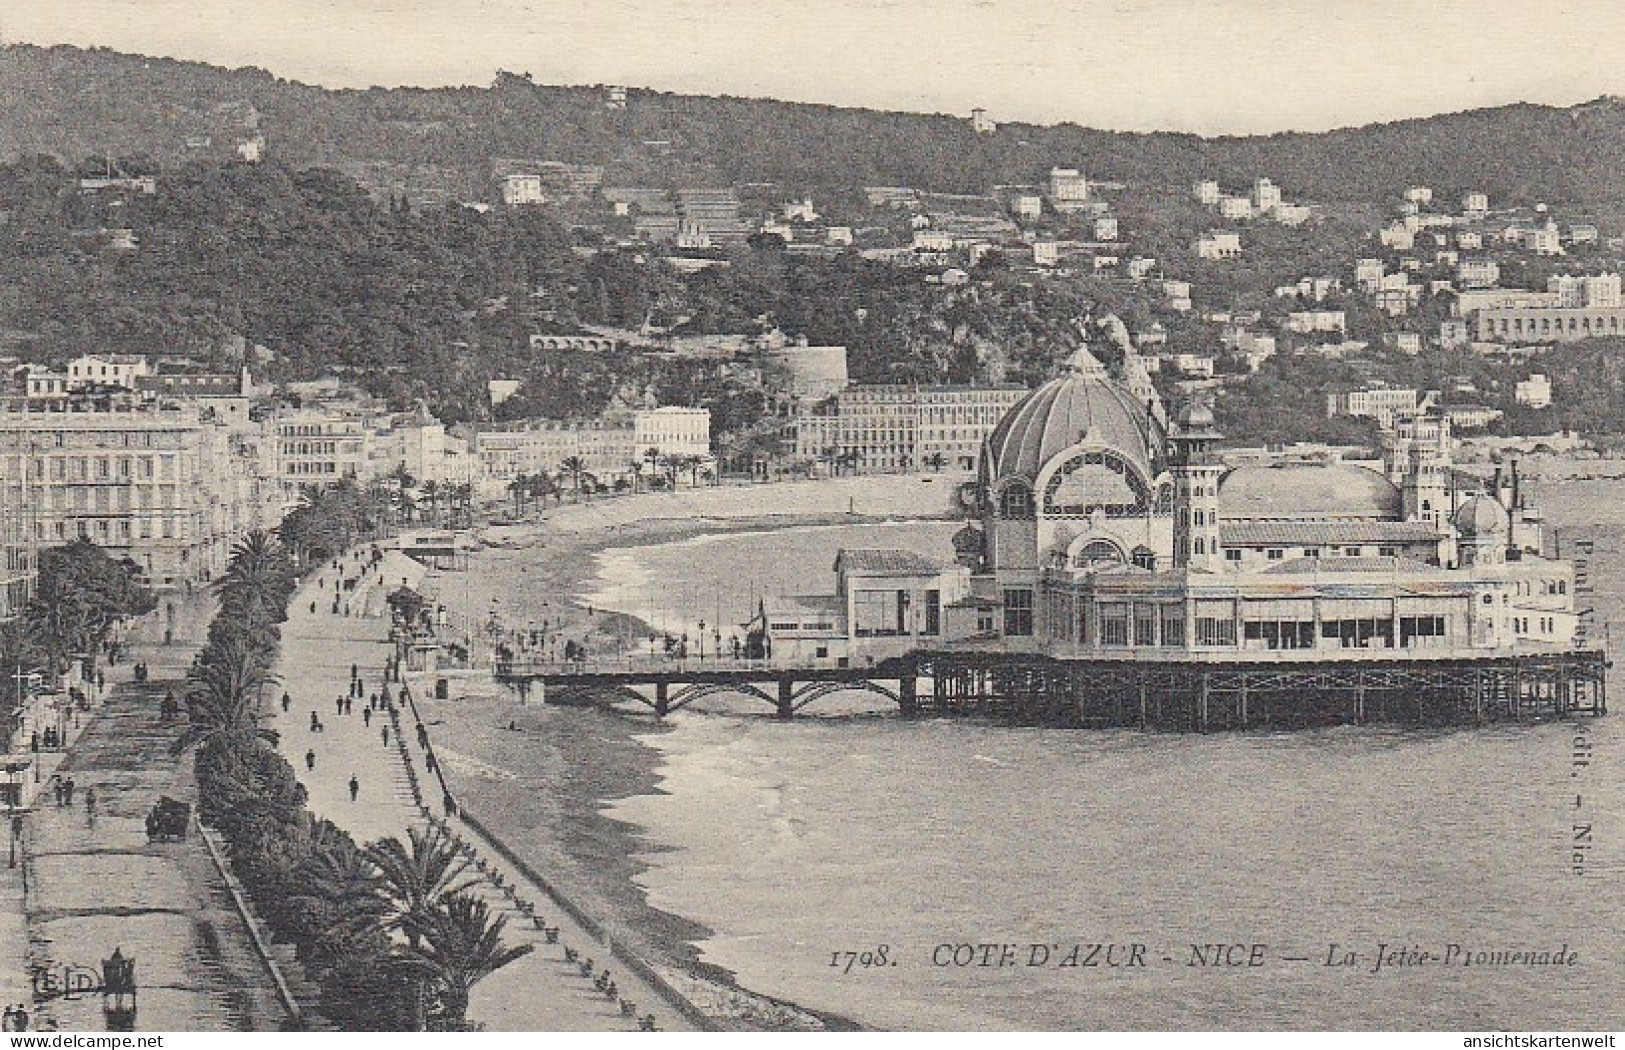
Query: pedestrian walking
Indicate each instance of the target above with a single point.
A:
(310, 759)
(386, 736)
(315, 723)
(287, 701)
(349, 704)
(56, 789)
(67, 790)
(19, 1018)
(423, 736)
(366, 716)
(428, 761)
(338, 706)
(313, 608)
(355, 671)
(355, 787)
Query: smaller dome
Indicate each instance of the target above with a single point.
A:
(1481, 516)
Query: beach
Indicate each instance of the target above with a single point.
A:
(543, 777)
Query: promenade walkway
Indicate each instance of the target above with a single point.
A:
(542, 991)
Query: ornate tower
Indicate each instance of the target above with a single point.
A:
(1196, 473)
(1419, 462)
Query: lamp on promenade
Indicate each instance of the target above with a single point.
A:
(700, 640)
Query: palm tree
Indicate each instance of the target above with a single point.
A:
(637, 473)
(519, 488)
(342, 885)
(417, 876)
(223, 695)
(671, 464)
(457, 945)
(258, 579)
(575, 467)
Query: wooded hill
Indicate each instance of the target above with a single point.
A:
(75, 103)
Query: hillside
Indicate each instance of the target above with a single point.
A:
(76, 103)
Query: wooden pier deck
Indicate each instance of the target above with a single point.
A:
(1189, 696)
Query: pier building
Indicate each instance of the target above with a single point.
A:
(1102, 533)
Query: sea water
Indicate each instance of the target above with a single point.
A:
(987, 877)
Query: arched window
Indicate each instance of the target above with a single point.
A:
(1097, 552)
(1016, 504)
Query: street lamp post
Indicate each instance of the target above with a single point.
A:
(700, 640)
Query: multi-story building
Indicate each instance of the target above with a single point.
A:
(18, 560)
(1106, 228)
(1478, 273)
(320, 446)
(1219, 244)
(1207, 192)
(1475, 205)
(106, 372)
(673, 430)
(711, 213)
(1368, 274)
(1236, 207)
(888, 428)
(1549, 324)
(1595, 290)
(1266, 195)
(1535, 392)
(1307, 321)
(1068, 189)
(1292, 214)
(1453, 334)
(605, 449)
(1379, 403)
(1027, 206)
(1542, 240)
(161, 484)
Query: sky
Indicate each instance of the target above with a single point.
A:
(1206, 66)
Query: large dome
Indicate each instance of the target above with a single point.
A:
(1083, 402)
(1295, 492)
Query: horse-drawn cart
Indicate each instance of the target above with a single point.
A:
(168, 820)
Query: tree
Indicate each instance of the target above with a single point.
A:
(80, 594)
(457, 945)
(416, 876)
(519, 488)
(576, 468)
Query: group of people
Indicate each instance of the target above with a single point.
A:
(63, 788)
(342, 706)
(14, 1019)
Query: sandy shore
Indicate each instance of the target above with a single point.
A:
(542, 776)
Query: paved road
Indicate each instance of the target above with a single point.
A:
(540, 992)
(95, 883)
